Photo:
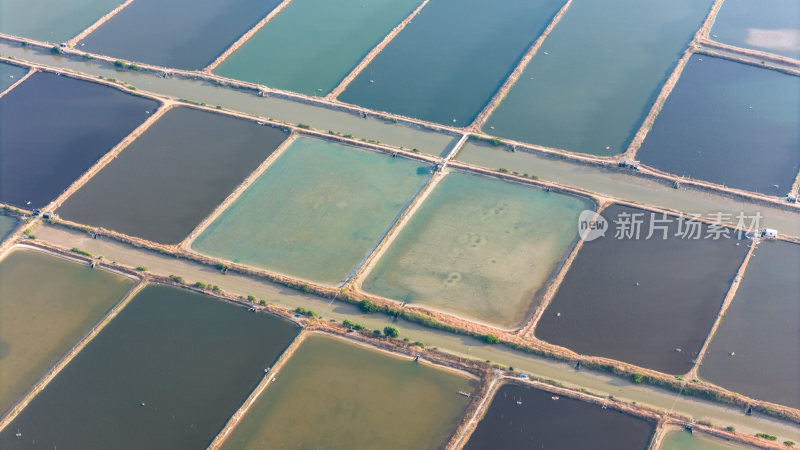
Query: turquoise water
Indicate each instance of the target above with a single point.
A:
(51, 21)
(479, 247)
(313, 44)
(683, 440)
(449, 61)
(598, 73)
(10, 74)
(315, 212)
(766, 25)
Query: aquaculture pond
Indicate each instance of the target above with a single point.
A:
(524, 417)
(41, 321)
(479, 247)
(313, 44)
(10, 74)
(684, 440)
(765, 25)
(7, 225)
(730, 123)
(174, 175)
(647, 301)
(49, 21)
(282, 109)
(155, 376)
(598, 73)
(362, 398)
(185, 34)
(320, 207)
(54, 129)
(451, 59)
(754, 352)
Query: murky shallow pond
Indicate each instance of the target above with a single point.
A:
(479, 247)
(40, 321)
(755, 349)
(336, 394)
(7, 225)
(167, 372)
(684, 440)
(173, 176)
(729, 123)
(524, 417)
(650, 302)
(54, 129)
(315, 212)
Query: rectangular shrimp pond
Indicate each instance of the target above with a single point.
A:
(754, 351)
(647, 301)
(525, 417)
(766, 25)
(362, 399)
(40, 322)
(316, 211)
(185, 34)
(155, 377)
(596, 76)
(480, 247)
(49, 21)
(729, 123)
(54, 129)
(174, 175)
(313, 44)
(449, 61)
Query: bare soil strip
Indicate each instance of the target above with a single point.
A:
(98, 24)
(501, 93)
(373, 53)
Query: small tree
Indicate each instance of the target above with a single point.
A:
(391, 332)
(491, 339)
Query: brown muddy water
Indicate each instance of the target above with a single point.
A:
(649, 302)
(174, 175)
(167, 372)
(524, 417)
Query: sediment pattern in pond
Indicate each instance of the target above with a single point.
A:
(479, 247)
(174, 175)
(524, 417)
(729, 123)
(767, 25)
(449, 61)
(54, 129)
(47, 304)
(167, 372)
(362, 399)
(597, 74)
(49, 21)
(317, 210)
(754, 351)
(185, 34)
(313, 44)
(650, 302)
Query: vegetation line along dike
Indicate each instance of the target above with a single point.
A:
(269, 376)
(44, 381)
(729, 296)
(110, 156)
(98, 24)
(187, 243)
(599, 161)
(18, 82)
(373, 53)
(501, 93)
(669, 85)
(527, 329)
(245, 37)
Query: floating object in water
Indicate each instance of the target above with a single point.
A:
(519, 402)
(608, 147)
(465, 394)
(555, 397)
(546, 53)
(733, 353)
(142, 404)
(18, 435)
(637, 283)
(678, 350)
(371, 81)
(558, 314)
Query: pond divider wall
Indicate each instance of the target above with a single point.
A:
(18, 82)
(98, 24)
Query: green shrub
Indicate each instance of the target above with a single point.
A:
(200, 284)
(491, 339)
(391, 332)
(305, 312)
(141, 268)
(637, 377)
(81, 252)
(766, 436)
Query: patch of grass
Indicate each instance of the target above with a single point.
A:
(141, 268)
(766, 436)
(81, 252)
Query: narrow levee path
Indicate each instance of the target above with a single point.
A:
(18, 82)
(98, 24)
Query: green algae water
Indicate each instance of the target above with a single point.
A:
(730, 123)
(315, 212)
(7, 225)
(596, 76)
(167, 372)
(767, 25)
(40, 321)
(51, 21)
(755, 348)
(684, 440)
(10, 74)
(479, 247)
(313, 44)
(451, 59)
(336, 394)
